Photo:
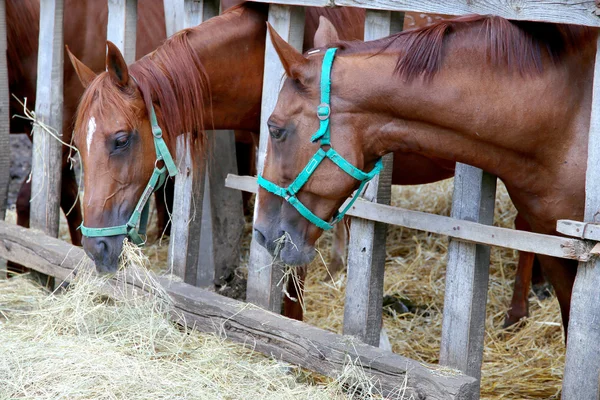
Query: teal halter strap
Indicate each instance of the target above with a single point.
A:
(141, 211)
(324, 136)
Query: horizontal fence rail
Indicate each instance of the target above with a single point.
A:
(562, 12)
(554, 246)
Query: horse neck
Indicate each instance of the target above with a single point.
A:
(231, 48)
(474, 113)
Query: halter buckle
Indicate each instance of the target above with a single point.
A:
(323, 111)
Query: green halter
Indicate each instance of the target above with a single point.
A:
(140, 213)
(322, 135)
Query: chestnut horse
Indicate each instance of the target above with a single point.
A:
(118, 107)
(512, 98)
(82, 26)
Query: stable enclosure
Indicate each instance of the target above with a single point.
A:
(207, 222)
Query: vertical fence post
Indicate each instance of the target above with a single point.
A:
(4, 125)
(47, 151)
(223, 214)
(263, 274)
(366, 248)
(122, 26)
(582, 367)
(467, 272)
(184, 245)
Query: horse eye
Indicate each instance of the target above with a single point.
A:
(276, 133)
(121, 141)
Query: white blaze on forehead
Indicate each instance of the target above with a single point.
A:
(90, 132)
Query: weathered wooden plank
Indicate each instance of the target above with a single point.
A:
(184, 244)
(175, 16)
(46, 163)
(122, 26)
(263, 273)
(4, 125)
(467, 274)
(223, 214)
(274, 335)
(582, 230)
(555, 246)
(582, 365)
(4, 117)
(564, 12)
(366, 248)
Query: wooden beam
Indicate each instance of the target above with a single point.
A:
(184, 244)
(467, 274)
(122, 26)
(366, 248)
(4, 116)
(263, 272)
(175, 16)
(555, 246)
(4, 125)
(582, 364)
(276, 336)
(563, 12)
(46, 163)
(223, 214)
(582, 230)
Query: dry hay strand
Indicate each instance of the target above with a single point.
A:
(82, 344)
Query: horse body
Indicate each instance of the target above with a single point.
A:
(512, 99)
(225, 94)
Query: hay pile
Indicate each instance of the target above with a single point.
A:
(525, 363)
(80, 344)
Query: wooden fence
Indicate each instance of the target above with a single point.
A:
(202, 233)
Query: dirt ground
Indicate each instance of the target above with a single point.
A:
(20, 165)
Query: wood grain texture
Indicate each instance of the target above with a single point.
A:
(582, 365)
(366, 248)
(276, 336)
(175, 16)
(263, 272)
(223, 208)
(555, 246)
(467, 274)
(4, 116)
(122, 26)
(565, 11)
(184, 245)
(582, 230)
(46, 165)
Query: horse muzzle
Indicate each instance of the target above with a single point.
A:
(104, 251)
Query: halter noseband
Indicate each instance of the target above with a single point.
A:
(158, 178)
(322, 135)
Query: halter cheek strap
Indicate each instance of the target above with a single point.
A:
(141, 211)
(323, 135)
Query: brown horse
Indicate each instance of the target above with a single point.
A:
(84, 22)
(118, 109)
(512, 98)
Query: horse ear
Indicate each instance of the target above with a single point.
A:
(116, 65)
(326, 33)
(291, 58)
(86, 75)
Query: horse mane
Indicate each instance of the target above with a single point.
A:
(174, 79)
(516, 45)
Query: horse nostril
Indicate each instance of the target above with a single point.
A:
(101, 246)
(260, 238)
